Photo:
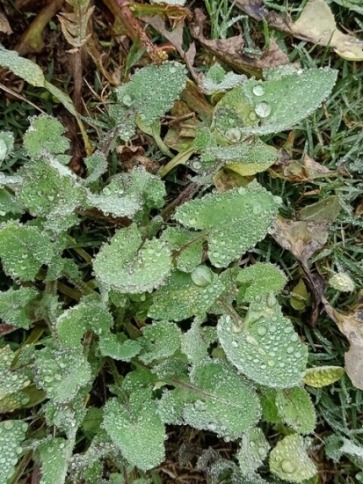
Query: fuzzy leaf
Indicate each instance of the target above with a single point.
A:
(21, 67)
(222, 402)
(181, 298)
(61, 373)
(137, 430)
(15, 306)
(234, 221)
(165, 82)
(12, 383)
(118, 347)
(129, 193)
(12, 434)
(296, 409)
(46, 133)
(23, 250)
(89, 314)
(260, 279)
(67, 417)
(187, 248)
(96, 166)
(6, 144)
(322, 376)
(255, 107)
(195, 342)
(160, 340)
(264, 346)
(289, 460)
(53, 455)
(218, 80)
(130, 266)
(253, 451)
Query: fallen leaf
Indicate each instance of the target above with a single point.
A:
(299, 296)
(327, 209)
(226, 180)
(294, 171)
(4, 25)
(316, 24)
(351, 325)
(229, 51)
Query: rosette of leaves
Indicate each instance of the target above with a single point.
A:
(274, 105)
(264, 345)
(233, 221)
(134, 104)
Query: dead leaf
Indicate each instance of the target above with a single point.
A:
(351, 325)
(226, 180)
(229, 51)
(327, 209)
(182, 128)
(4, 25)
(316, 24)
(294, 171)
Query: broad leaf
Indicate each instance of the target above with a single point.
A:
(23, 250)
(68, 416)
(136, 429)
(196, 341)
(322, 376)
(264, 346)
(289, 460)
(218, 80)
(252, 452)
(186, 245)
(160, 340)
(234, 221)
(12, 383)
(260, 279)
(258, 107)
(53, 455)
(181, 298)
(6, 144)
(24, 68)
(15, 306)
(118, 346)
(128, 265)
(12, 434)
(296, 409)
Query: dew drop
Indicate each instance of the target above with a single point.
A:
(258, 90)
(263, 109)
(288, 466)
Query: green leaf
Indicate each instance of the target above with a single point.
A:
(46, 133)
(129, 265)
(23, 250)
(129, 193)
(180, 298)
(186, 245)
(118, 347)
(223, 401)
(67, 417)
(195, 342)
(234, 220)
(89, 314)
(258, 107)
(96, 166)
(218, 80)
(260, 279)
(268, 403)
(289, 460)
(12, 434)
(136, 429)
(296, 409)
(165, 82)
(6, 144)
(253, 451)
(322, 376)
(12, 383)
(61, 373)
(15, 306)
(53, 455)
(21, 67)
(160, 340)
(264, 346)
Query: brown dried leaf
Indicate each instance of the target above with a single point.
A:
(307, 171)
(4, 25)
(230, 50)
(351, 325)
(74, 24)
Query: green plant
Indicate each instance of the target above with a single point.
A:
(121, 307)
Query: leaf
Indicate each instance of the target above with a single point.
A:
(61, 373)
(264, 346)
(322, 376)
(218, 80)
(296, 409)
(317, 24)
(89, 314)
(46, 133)
(336, 446)
(218, 400)
(23, 250)
(96, 166)
(130, 266)
(12, 434)
(299, 296)
(165, 81)
(260, 279)
(118, 347)
(195, 342)
(327, 209)
(256, 107)
(74, 24)
(12, 383)
(129, 193)
(137, 430)
(253, 451)
(226, 217)
(160, 340)
(6, 142)
(53, 455)
(289, 460)
(341, 281)
(68, 416)
(21, 67)
(186, 245)
(180, 298)
(15, 307)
